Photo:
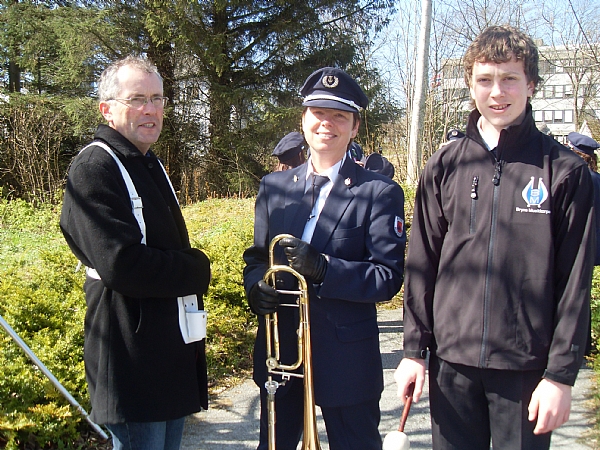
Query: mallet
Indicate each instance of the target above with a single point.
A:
(397, 440)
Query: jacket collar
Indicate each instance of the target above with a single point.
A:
(118, 142)
(512, 138)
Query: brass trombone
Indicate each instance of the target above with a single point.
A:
(310, 439)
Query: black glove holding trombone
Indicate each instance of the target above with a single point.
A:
(303, 258)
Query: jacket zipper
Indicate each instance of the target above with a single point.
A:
(473, 218)
(488, 284)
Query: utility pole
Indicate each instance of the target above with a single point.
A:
(420, 93)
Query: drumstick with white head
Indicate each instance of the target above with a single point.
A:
(398, 440)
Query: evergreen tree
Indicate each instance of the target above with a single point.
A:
(232, 69)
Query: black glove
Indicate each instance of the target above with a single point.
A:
(305, 259)
(263, 299)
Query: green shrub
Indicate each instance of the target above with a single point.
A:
(44, 304)
(595, 357)
(223, 228)
(43, 301)
(595, 304)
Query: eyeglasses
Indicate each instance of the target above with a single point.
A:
(139, 100)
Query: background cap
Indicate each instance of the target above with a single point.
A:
(289, 146)
(583, 143)
(453, 134)
(380, 164)
(330, 87)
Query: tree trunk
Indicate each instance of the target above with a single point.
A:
(14, 77)
(170, 148)
(218, 161)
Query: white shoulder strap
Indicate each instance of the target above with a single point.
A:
(169, 180)
(136, 201)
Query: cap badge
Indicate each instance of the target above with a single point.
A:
(347, 181)
(330, 81)
(295, 178)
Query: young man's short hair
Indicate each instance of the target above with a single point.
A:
(500, 44)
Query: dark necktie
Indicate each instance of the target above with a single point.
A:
(317, 183)
(305, 207)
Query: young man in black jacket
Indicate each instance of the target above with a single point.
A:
(499, 265)
(143, 378)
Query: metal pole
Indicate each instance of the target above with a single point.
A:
(414, 150)
(13, 334)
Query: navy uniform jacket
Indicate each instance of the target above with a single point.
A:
(361, 229)
(596, 180)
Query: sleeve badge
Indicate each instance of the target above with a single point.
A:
(399, 226)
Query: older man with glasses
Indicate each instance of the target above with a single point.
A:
(120, 217)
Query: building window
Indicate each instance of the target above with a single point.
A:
(553, 116)
(558, 117)
(558, 91)
(569, 116)
(546, 67)
(568, 91)
(452, 71)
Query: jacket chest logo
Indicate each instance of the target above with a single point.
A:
(535, 196)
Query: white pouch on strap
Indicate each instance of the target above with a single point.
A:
(192, 321)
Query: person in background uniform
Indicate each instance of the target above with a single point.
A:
(349, 239)
(452, 135)
(499, 265)
(376, 162)
(290, 151)
(142, 378)
(586, 147)
(356, 153)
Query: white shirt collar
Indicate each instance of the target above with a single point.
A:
(488, 143)
(332, 172)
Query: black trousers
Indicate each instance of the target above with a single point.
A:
(353, 427)
(469, 406)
